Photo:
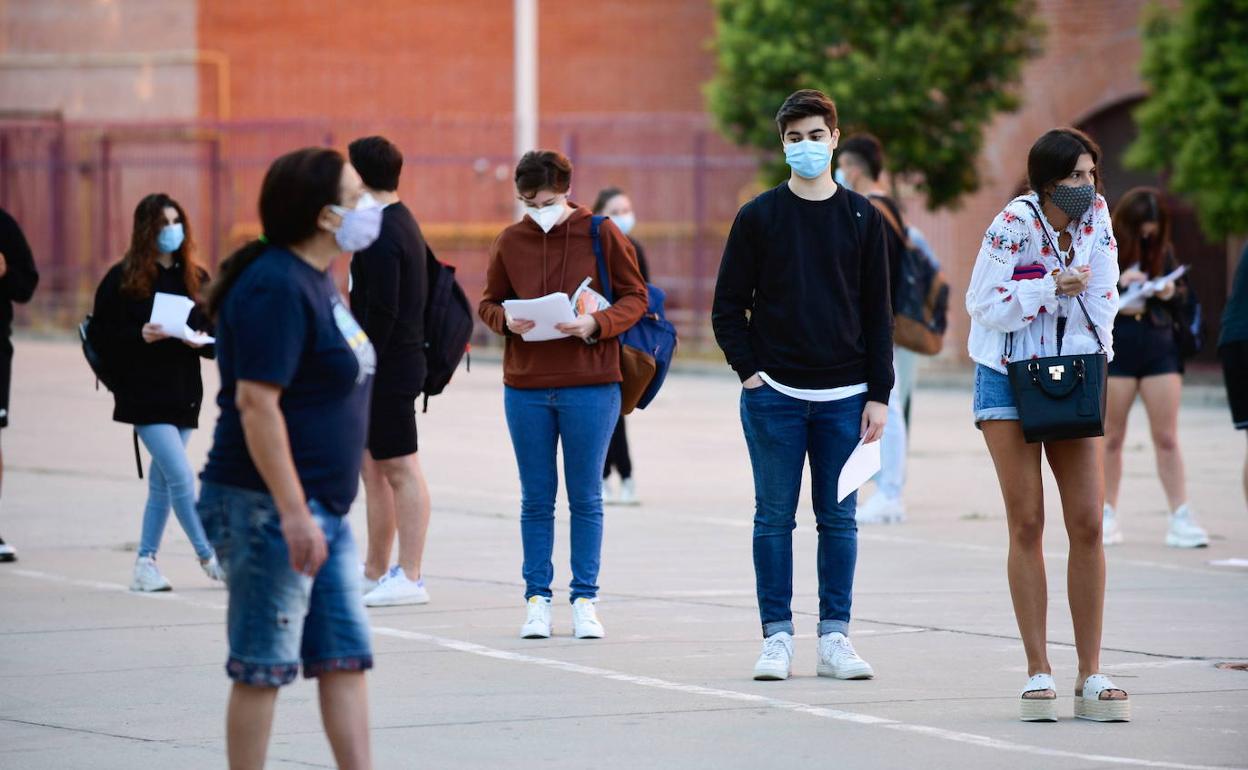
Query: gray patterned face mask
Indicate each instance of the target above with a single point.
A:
(1073, 201)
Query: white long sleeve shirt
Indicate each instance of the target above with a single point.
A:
(1000, 305)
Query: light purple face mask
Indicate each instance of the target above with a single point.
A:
(360, 225)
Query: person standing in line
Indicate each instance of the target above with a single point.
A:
(158, 388)
(388, 295)
(613, 203)
(1148, 362)
(1016, 317)
(802, 313)
(860, 163)
(560, 391)
(18, 279)
(296, 375)
(1233, 350)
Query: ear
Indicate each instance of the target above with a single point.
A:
(836, 137)
(328, 219)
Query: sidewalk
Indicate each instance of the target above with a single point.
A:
(94, 676)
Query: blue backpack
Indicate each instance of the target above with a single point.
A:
(653, 338)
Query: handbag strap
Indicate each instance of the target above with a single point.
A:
(595, 235)
(1009, 342)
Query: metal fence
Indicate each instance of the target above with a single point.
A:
(73, 188)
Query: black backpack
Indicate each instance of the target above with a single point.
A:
(921, 314)
(448, 326)
(103, 374)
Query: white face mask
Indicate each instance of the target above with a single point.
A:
(547, 217)
(360, 225)
(625, 222)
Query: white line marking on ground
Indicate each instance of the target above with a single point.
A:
(471, 648)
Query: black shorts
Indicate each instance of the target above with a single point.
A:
(1234, 357)
(6, 371)
(1144, 350)
(392, 427)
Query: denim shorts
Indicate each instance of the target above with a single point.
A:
(994, 400)
(279, 618)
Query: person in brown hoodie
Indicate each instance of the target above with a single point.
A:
(562, 390)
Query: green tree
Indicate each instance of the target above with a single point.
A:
(1195, 122)
(925, 76)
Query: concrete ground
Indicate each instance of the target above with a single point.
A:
(94, 676)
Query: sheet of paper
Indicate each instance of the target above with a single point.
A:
(170, 312)
(862, 464)
(545, 312)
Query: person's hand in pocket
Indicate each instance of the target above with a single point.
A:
(752, 382)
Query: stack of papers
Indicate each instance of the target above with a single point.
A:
(1135, 296)
(170, 312)
(554, 309)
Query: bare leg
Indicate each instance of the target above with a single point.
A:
(1077, 468)
(410, 494)
(1161, 396)
(248, 721)
(344, 712)
(1121, 394)
(379, 504)
(1018, 471)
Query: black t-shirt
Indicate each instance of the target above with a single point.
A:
(803, 293)
(285, 323)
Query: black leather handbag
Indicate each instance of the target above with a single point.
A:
(1060, 397)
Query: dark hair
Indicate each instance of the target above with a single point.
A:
(1054, 155)
(138, 266)
(378, 161)
(604, 197)
(543, 170)
(804, 104)
(868, 149)
(295, 189)
(1138, 206)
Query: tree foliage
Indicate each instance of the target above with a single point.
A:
(925, 76)
(1194, 124)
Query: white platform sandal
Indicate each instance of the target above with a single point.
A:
(1038, 709)
(1090, 705)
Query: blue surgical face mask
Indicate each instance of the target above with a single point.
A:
(808, 158)
(625, 222)
(839, 176)
(360, 225)
(170, 238)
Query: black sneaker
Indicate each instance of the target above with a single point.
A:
(6, 551)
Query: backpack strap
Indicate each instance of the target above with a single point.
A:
(891, 219)
(595, 235)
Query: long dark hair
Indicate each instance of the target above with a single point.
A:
(138, 266)
(1138, 206)
(1054, 155)
(604, 197)
(296, 187)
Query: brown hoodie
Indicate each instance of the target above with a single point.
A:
(526, 263)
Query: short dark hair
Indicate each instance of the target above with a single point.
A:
(868, 149)
(542, 170)
(378, 161)
(1055, 154)
(804, 104)
(604, 197)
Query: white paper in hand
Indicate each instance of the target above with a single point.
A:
(170, 312)
(544, 312)
(862, 464)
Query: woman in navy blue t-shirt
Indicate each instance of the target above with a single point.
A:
(296, 375)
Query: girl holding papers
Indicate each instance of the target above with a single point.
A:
(157, 385)
(562, 383)
(1148, 359)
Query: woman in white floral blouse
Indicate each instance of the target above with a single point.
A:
(1020, 298)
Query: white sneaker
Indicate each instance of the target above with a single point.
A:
(628, 493)
(881, 510)
(212, 568)
(585, 623)
(537, 621)
(1111, 533)
(147, 577)
(776, 658)
(1184, 532)
(395, 588)
(366, 583)
(6, 551)
(608, 493)
(838, 660)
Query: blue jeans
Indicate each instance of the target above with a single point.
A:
(994, 398)
(781, 431)
(582, 418)
(278, 617)
(171, 482)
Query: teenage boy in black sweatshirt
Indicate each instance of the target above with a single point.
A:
(803, 315)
